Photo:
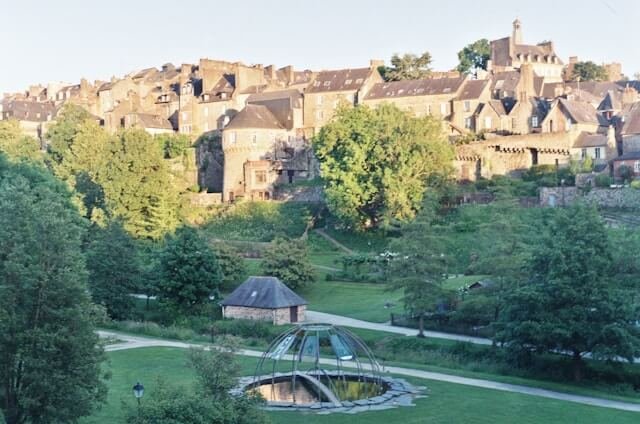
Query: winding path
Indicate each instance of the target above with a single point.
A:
(132, 342)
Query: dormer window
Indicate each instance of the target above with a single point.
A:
(327, 83)
(359, 81)
(348, 81)
(223, 95)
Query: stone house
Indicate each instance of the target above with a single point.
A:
(491, 116)
(34, 117)
(511, 53)
(572, 115)
(248, 142)
(264, 299)
(630, 160)
(331, 88)
(153, 124)
(429, 96)
(467, 105)
(630, 129)
(110, 94)
(600, 148)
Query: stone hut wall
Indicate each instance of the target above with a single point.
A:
(276, 316)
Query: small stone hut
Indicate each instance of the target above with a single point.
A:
(266, 299)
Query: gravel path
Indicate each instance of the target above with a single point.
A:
(321, 317)
(132, 342)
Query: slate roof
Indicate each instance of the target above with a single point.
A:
(148, 120)
(590, 140)
(498, 106)
(263, 293)
(472, 89)
(505, 81)
(421, 87)
(28, 110)
(610, 102)
(628, 156)
(582, 112)
(340, 80)
(632, 121)
(254, 116)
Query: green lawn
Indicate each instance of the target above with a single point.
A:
(457, 282)
(446, 403)
(355, 300)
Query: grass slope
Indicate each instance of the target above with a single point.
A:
(446, 403)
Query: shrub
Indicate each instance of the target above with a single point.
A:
(603, 180)
(625, 172)
(635, 184)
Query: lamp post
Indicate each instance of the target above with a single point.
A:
(138, 392)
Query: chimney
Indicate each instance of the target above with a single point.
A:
(526, 86)
(629, 96)
(612, 145)
(573, 60)
(289, 74)
(376, 63)
(271, 72)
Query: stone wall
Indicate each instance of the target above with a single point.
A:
(311, 194)
(205, 199)
(619, 198)
(276, 316)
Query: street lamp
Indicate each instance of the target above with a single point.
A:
(138, 391)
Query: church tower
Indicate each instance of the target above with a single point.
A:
(516, 38)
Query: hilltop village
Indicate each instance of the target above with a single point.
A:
(523, 110)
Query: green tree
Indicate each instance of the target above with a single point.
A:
(377, 163)
(172, 145)
(188, 273)
(61, 135)
(407, 67)
(288, 260)
(589, 71)
(217, 371)
(16, 145)
(420, 263)
(137, 186)
(114, 269)
(570, 303)
(231, 264)
(50, 368)
(474, 56)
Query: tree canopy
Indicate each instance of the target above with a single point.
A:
(572, 302)
(188, 272)
(288, 260)
(474, 56)
(50, 370)
(407, 67)
(16, 145)
(377, 163)
(589, 71)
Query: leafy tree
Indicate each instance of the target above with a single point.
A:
(15, 144)
(209, 402)
(474, 56)
(137, 186)
(407, 67)
(114, 269)
(377, 163)
(231, 264)
(420, 264)
(571, 304)
(62, 134)
(50, 368)
(589, 71)
(188, 272)
(288, 260)
(172, 145)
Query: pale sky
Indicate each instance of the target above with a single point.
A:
(64, 40)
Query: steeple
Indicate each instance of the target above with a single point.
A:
(516, 38)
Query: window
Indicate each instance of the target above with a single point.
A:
(583, 154)
(319, 114)
(467, 106)
(359, 81)
(206, 126)
(443, 108)
(206, 111)
(327, 83)
(487, 122)
(569, 124)
(232, 138)
(467, 123)
(428, 109)
(319, 100)
(636, 167)
(254, 139)
(597, 153)
(348, 81)
(261, 177)
(534, 121)
(184, 116)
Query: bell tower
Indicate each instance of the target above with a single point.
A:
(516, 37)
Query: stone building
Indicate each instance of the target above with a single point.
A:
(332, 88)
(264, 299)
(572, 115)
(153, 124)
(511, 53)
(600, 148)
(34, 117)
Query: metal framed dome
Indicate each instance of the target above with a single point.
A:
(318, 363)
